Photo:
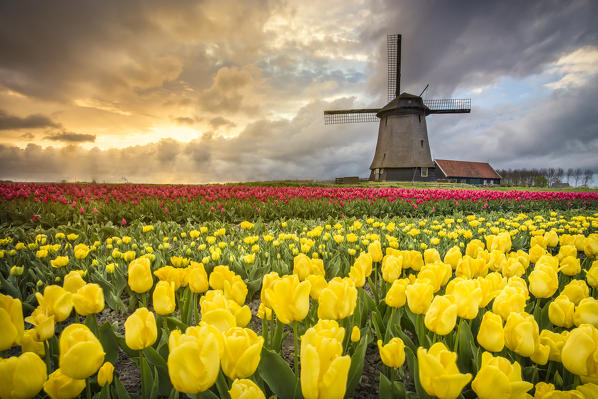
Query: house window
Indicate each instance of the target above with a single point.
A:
(424, 172)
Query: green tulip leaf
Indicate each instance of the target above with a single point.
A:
(357, 365)
(277, 374)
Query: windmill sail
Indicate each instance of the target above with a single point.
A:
(350, 116)
(393, 47)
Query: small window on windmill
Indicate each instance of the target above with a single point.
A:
(422, 143)
(424, 172)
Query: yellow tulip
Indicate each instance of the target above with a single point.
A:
(22, 377)
(438, 274)
(364, 263)
(589, 390)
(501, 242)
(491, 335)
(330, 329)
(43, 323)
(163, 298)
(416, 260)
(11, 320)
(264, 311)
(140, 329)
(441, 316)
(267, 281)
(576, 290)
(219, 311)
(453, 256)
(393, 353)
(521, 333)
(570, 266)
(513, 267)
(580, 352)
(419, 296)
(89, 299)
(60, 261)
(73, 281)
(468, 296)
(375, 251)
(535, 253)
(499, 378)
(551, 238)
(198, 278)
(242, 349)
(395, 297)
(338, 299)
(289, 298)
(586, 312)
(392, 267)
(318, 283)
(555, 343)
(81, 353)
(56, 302)
(106, 374)
(324, 371)
(431, 255)
(543, 281)
(508, 301)
(357, 274)
(491, 286)
(61, 386)
(140, 275)
(592, 275)
(355, 334)
(548, 260)
(30, 343)
(81, 251)
(233, 286)
(179, 277)
(438, 372)
(245, 389)
(194, 359)
(474, 247)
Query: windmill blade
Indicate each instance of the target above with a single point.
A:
(448, 106)
(393, 46)
(350, 116)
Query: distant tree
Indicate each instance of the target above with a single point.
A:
(588, 174)
(540, 181)
(560, 172)
(570, 173)
(577, 175)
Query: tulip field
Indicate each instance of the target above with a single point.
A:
(249, 291)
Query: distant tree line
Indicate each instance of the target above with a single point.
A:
(546, 176)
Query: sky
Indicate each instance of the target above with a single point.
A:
(226, 91)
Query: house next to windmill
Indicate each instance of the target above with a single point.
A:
(403, 150)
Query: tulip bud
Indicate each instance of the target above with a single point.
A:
(419, 296)
(140, 275)
(267, 281)
(499, 378)
(338, 299)
(441, 316)
(491, 335)
(56, 302)
(453, 256)
(81, 353)
(393, 353)
(89, 299)
(355, 334)
(438, 372)
(543, 281)
(242, 349)
(198, 278)
(163, 298)
(61, 386)
(375, 251)
(324, 371)
(11, 320)
(318, 283)
(105, 374)
(245, 389)
(289, 298)
(23, 376)
(561, 311)
(592, 275)
(391, 267)
(140, 329)
(468, 296)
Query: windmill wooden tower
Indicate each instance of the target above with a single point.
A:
(403, 150)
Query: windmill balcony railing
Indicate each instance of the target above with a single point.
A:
(449, 105)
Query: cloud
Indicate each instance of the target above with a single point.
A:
(36, 121)
(69, 137)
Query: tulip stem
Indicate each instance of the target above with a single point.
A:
(296, 358)
(458, 335)
(87, 390)
(48, 355)
(195, 308)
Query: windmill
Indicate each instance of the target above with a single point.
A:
(402, 150)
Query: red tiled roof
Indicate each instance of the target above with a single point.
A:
(480, 170)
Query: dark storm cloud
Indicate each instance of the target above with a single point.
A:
(36, 121)
(470, 43)
(70, 137)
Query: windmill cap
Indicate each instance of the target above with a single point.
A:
(404, 102)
